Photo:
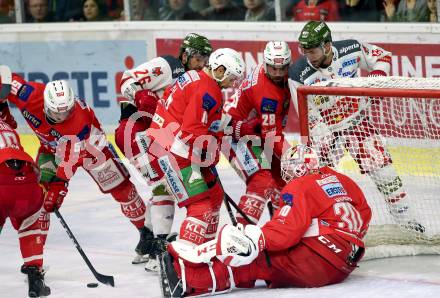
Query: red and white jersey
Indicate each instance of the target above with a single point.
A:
(318, 204)
(10, 146)
(259, 97)
(193, 109)
(154, 75)
(80, 128)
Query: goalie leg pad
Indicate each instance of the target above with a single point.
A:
(202, 278)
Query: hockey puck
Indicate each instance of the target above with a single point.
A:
(92, 285)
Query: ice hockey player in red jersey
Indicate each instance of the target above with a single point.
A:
(142, 88)
(184, 149)
(259, 112)
(313, 240)
(340, 122)
(21, 199)
(70, 137)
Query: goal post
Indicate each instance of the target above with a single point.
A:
(383, 132)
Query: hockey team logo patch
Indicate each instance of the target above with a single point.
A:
(287, 198)
(208, 102)
(157, 71)
(268, 105)
(25, 92)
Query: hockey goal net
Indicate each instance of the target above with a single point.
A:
(384, 132)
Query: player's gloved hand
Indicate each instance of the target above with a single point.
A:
(56, 191)
(5, 115)
(146, 101)
(377, 73)
(246, 128)
(238, 246)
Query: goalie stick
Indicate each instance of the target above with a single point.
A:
(105, 279)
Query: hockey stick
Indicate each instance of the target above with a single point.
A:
(229, 201)
(105, 279)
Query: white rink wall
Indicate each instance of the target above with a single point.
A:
(94, 55)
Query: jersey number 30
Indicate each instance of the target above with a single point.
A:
(350, 217)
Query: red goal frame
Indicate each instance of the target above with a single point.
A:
(303, 91)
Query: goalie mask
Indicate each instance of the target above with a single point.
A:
(298, 161)
(59, 101)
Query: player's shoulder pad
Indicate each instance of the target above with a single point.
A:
(300, 70)
(175, 64)
(347, 46)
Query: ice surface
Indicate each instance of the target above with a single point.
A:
(109, 240)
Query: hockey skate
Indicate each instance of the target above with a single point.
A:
(37, 287)
(144, 247)
(159, 247)
(402, 215)
(171, 284)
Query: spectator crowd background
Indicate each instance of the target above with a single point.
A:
(222, 10)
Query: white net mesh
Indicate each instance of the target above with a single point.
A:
(391, 147)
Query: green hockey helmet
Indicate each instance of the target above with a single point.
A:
(194, 43)
(314, 34)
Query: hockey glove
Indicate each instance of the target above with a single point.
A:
(146, 101)
(55, 195)
(5, 115)
(246, 128)
(238, 246)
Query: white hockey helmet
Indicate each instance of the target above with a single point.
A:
(277, 54)
(298, 161)
(59, 100)
(232, 62)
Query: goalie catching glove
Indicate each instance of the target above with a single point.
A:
(238, 246)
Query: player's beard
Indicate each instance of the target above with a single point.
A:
(319, 63)
(277, 80)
